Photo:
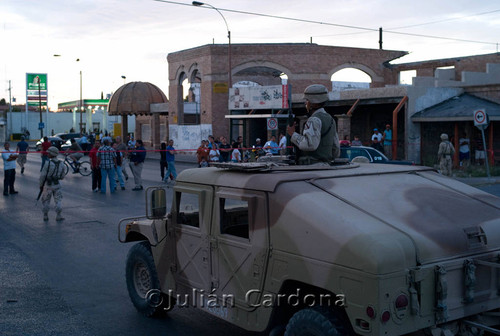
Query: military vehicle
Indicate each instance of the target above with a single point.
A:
(303, 250)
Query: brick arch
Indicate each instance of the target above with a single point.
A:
(193, 70)
(180, 75)
(373, 75)
(260, 63)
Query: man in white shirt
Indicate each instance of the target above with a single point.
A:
(9, 164)
(282, 144)
(464, 151)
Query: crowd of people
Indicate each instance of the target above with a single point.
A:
(219, 150)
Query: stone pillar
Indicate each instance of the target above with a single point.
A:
(344, 126)
(124, 126)
(155, 131)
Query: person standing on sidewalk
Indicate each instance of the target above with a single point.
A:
(94, 165)
(22, 150)
(118, 167)
(137, 158)
(107, 163)
(163, 160)
(9, 165)
(122, 148)
(171, 172)
(52, 172)
(387, 139)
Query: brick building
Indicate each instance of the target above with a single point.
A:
(357, 111)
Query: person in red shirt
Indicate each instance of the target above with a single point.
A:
(202, 154)
(94, 165)
(46, 144)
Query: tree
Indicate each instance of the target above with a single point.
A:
(3, 102)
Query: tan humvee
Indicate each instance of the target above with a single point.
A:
(354, 249)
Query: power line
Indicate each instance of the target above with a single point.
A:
(446, 20)
(341, 25)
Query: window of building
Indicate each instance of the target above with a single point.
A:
(234, 217)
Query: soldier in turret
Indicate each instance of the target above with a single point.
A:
(319, 141)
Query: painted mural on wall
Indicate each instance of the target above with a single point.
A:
(188, 137)
(258, 97)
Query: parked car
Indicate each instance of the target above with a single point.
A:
(56, 142)
(67, 136)
(375, 156)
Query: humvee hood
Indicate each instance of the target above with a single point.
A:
(385, 222)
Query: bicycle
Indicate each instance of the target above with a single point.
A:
(82, 167)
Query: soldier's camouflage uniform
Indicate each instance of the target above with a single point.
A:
(445, 154)
(319, 141)
(52, 172)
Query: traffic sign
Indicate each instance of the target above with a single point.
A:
(480, 118)
(272, 124)
(41, 125)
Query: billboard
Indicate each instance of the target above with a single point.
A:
(258, 97)
(36, 89)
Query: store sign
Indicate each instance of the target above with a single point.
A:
(258, 97)
(36, 89)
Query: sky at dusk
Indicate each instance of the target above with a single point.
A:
(132, 38)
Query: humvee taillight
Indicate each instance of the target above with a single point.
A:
(401, 302)
(386, 316)
(370, 311)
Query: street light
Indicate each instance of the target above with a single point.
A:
(80, 102)
(199, 4)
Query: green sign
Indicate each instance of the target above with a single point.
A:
(36, 89)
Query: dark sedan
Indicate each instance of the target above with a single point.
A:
(56, 142)
(370, 153)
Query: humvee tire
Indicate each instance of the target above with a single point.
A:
(317, 321)
(143, 284)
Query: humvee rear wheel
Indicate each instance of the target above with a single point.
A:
(143, 284)
(315, 321)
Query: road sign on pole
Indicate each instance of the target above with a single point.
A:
(481, 121)
(480, 118)
(272, 124)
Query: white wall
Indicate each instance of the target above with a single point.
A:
(60, 122)
(189, 136)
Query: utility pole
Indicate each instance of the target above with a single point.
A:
(9, 118)
(40, 106)
(380, 38)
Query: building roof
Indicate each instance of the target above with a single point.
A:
(135, 98)
(460, 108)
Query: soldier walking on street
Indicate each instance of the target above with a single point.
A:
(445, 154)
(50, 176)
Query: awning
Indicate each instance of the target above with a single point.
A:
(460, 108)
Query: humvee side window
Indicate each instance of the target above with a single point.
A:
(188, 212)
(234, 217)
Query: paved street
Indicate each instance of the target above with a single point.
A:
(68, 278)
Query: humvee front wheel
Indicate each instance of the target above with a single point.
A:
(315, 321)
(142, 282)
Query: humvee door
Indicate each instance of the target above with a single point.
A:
(240, 244)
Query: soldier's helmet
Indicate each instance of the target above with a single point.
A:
(316, 93)
(53, 151)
